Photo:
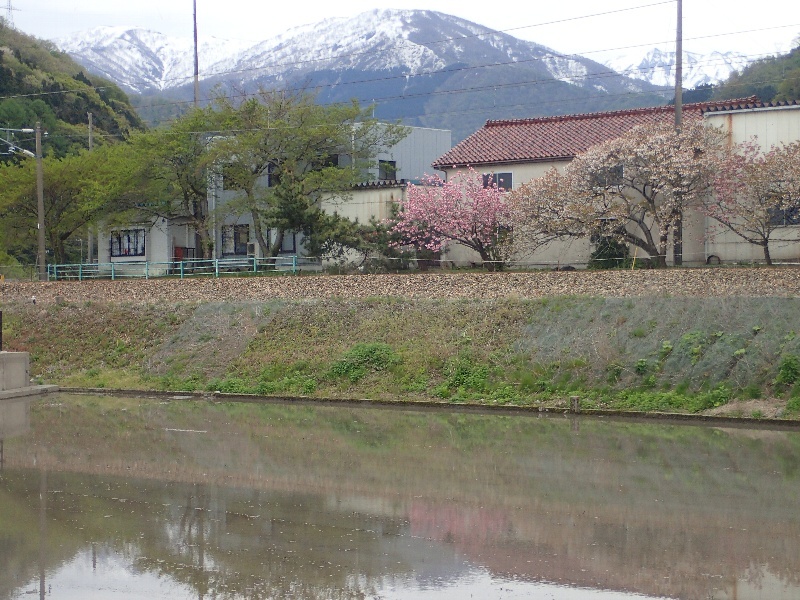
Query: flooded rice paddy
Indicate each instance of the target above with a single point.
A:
(110, 497)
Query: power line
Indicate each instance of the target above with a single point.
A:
(479, 110)
(434, 42)
(429, 73)
(283, 65)
(485, 32)
(585, 78)
(560, 102)
(610, 74)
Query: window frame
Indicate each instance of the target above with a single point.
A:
(499, 178)
(232, 244)
(135, 242)
(784, 217)
(387, 170)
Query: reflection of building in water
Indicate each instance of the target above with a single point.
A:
(251, 504)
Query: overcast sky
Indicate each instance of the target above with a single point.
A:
(631, 26)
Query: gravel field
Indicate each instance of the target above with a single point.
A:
(700, 282)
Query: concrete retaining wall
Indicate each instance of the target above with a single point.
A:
(15, 370)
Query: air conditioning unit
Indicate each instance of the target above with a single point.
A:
(251, 248)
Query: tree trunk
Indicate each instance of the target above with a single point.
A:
(767, 257)
(660, 260)
(206, 243)
(677, 242)
(258, 231)
(488, 261)
(275, 249)
(58, 253)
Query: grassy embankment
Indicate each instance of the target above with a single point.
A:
(651, 354)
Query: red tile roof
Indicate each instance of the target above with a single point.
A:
(561, 138)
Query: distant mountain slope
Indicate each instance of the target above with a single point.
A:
(39, 83)
(140, 60)
(773, 78)
(424, 67)
(658, 67)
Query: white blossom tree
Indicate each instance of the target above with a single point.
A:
(758, 193)
(635, 187)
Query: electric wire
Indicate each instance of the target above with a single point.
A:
(378, 101)
(428, 73)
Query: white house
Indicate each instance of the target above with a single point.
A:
(163, 241)
(516, 151)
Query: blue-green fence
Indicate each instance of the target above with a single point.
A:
(216, 267)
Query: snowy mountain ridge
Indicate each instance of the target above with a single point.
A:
(658, 67)
(422, 67)
(380, 40)
(141, 60)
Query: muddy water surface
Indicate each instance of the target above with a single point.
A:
(151, 498)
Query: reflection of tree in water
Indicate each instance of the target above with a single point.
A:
(252, 514)
(265, 546)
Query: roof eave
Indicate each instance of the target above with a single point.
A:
(517, 161)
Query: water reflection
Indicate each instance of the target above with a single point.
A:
(193, 500)
(14, 420)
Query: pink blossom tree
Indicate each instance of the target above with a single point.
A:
(757, 194)
(438, 213)
(635, 187)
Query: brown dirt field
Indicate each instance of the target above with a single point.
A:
(699, 282)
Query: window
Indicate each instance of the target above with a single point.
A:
(503, 180)
(607, 177)
(234, 239)
(387, 170)
(779, 217)
(273, 177)
(289, 243)
(128, 242)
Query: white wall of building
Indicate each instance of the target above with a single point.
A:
(771, 126)
(702, 237)
(415, 153)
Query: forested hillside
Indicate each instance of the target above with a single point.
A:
(775, 78)
(39, 83)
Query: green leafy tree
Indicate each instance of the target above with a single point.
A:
(174, 161)
(79, 190)
(771, 78)
(284, 153)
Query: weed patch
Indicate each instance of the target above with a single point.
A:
(363, 359)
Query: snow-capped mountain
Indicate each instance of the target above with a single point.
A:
(417, 42)
(658, 67)
(139, 60)
(424, 67)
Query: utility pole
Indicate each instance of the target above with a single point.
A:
(196, 60)
(679, 68)
(677, 236)
(89, 237)
(40, 203)
(10, 15)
